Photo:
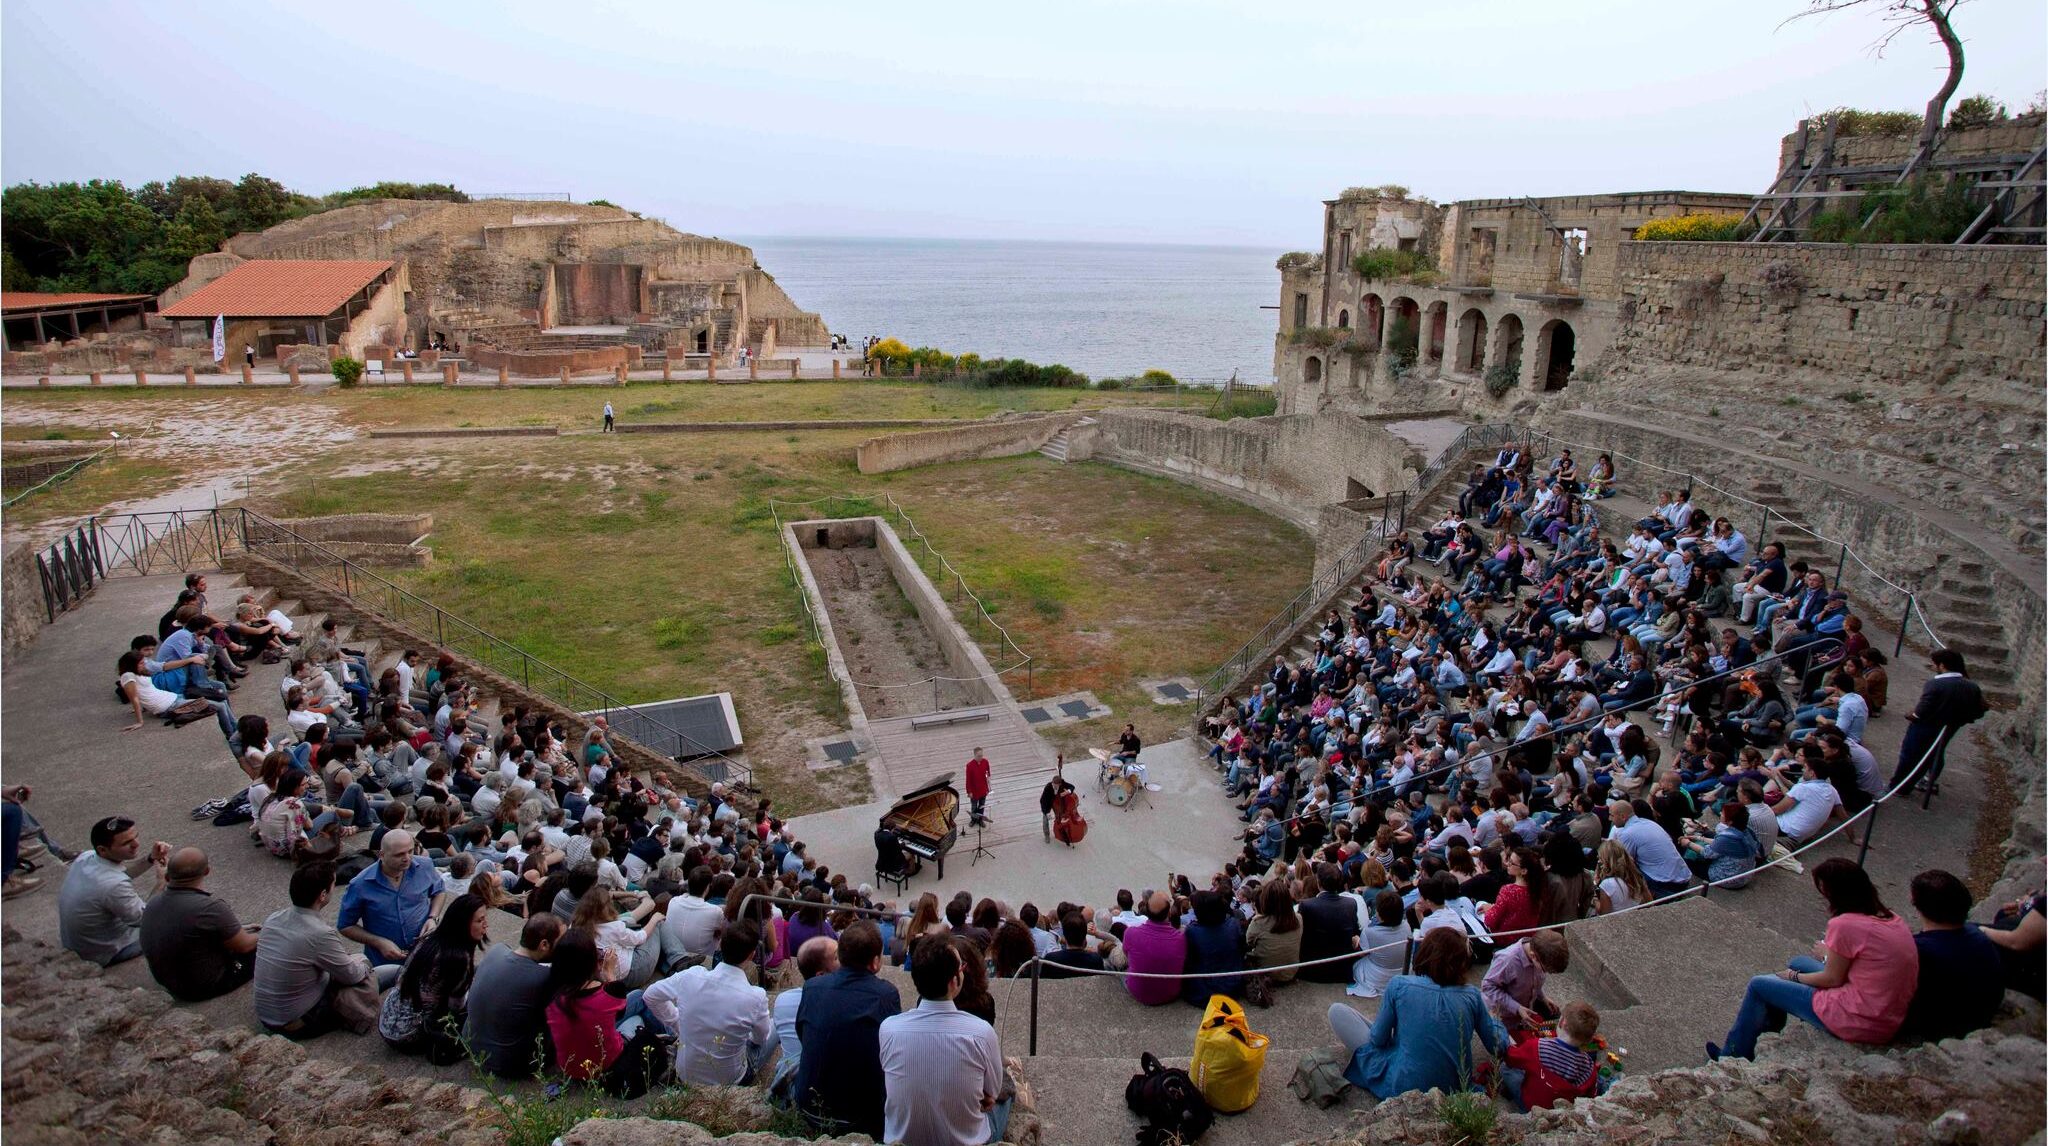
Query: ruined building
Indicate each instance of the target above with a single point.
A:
(495, 277)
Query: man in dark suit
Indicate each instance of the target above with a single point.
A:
(1329, 927)
(1948, 701)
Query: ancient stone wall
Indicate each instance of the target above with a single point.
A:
(1288, 465)
(2019, 135)
(1893, 313)
(380, 323)
(987, 440)
(548, 363)
(21, 598)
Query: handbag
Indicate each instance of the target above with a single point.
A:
(1228, 1057)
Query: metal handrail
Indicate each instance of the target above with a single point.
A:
(125, 539)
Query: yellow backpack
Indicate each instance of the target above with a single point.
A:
(1228, 1057)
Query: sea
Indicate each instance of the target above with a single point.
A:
(1104, 309)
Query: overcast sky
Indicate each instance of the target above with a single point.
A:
(1221, 121)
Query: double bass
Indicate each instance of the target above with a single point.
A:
(1068, 825)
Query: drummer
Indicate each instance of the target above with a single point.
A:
(1126, 755)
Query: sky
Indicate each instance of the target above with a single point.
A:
(1191, 121)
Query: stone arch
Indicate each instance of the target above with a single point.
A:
(1312, 371)
(1371, 317)
(1472, 341)
(1507, 345)
(1556, 349)
(1434, 320)
(1343, 320)
(1404, 329)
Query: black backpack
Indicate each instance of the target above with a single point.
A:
(1166, 1098)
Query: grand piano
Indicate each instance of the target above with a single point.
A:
(924, 821)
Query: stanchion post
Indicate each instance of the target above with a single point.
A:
(1034, 1007)
(1905, 618)
(1869, 826)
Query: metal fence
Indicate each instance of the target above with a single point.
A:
(140, 544)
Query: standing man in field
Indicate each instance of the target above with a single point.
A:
(977, 789)
(608, 418)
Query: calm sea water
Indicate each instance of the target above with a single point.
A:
(1101, 308)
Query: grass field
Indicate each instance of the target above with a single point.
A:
(649, 565)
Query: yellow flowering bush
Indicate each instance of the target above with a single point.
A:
(1691, 229)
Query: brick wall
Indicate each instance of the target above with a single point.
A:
(988, 440)
(21, 598)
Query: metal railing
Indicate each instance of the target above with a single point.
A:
(980, 623)
(61, 476)
(1393, 519)
(140, 544)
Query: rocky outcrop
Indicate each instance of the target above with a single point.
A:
(90, 1061)
(1805, 1088)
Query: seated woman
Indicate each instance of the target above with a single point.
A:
(1857, 989)
(1274, 938)
(423, 1012)
(1600, 481)
(1422, 1037)
(285, 826)
(1385, 943)
(1517, 908)
(633, 944)
(600, 1030)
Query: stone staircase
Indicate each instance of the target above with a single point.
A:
(1056, 449)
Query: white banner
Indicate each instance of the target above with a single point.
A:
(220, 337)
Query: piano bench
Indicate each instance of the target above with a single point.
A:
(943, 719)
(900, 878)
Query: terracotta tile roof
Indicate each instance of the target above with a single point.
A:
(35, 300)
(279, 288)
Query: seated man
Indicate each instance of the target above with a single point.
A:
(196, 947)
(1075, 951)
(723, 1030)
(99, 912)
(308, 982)
(943, 1067)
(508, 1000)
(1962, 978)
(819, 955)
(839, 1083)
(690, 929)
(391, 903)
(1155, 947)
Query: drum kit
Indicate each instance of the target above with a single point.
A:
(1119, 782)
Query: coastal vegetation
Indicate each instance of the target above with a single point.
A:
(1387, 263)
(102, 236)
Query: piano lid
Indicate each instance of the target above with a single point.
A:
(943, 782)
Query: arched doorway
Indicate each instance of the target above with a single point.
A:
(1434, 321)
(1507, 346)
(1343, 320)
(1472, 341)
(1555, 347)
(1404, 332)
(1372, 315)
(1312, 371)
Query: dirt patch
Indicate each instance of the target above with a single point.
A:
(888, 651)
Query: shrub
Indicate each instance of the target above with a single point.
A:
(1975, 111)
(347, 371)
(1701, 228)
(1294, 260)
(1469, 1116)
(1926, 210)
(1857, 121)
(1502, 376)
(1321, 337)
(1402, 337)
(1111, 383)
(1158, 378)
(1389, 263)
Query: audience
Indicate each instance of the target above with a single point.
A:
(308, 981)
(1422, 1037)
(721, 1022)
(1961, 981)
(505, 1021)
(839, 1082)
(942, 1067)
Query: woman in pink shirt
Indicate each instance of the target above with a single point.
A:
(1858, 987)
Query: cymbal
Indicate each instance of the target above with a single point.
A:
(1099, 753)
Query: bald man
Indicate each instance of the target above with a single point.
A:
(388, 906)
(194, 944)
(1155, 947)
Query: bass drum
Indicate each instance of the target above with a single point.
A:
(1122, 789)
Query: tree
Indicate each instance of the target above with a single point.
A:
(1901, 15)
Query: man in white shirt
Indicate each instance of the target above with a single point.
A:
(943, 1067)
(721, 1022)
(99, 911)
(818, 956)
(1806, 808)
(691, 928)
